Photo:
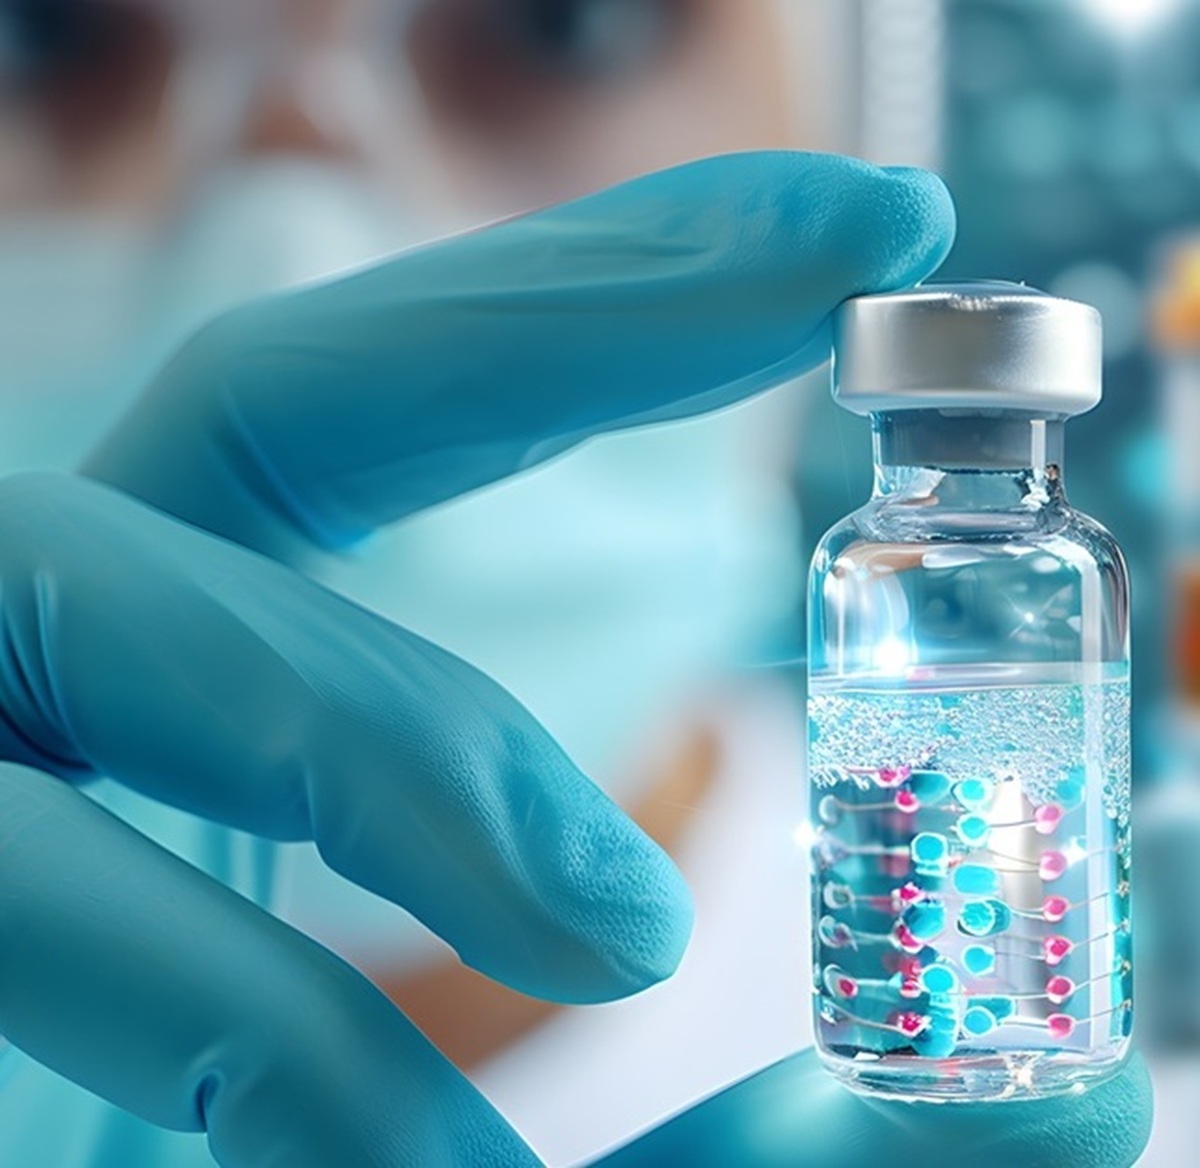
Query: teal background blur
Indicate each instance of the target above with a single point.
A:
(1069, 133)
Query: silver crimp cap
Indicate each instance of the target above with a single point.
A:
(983, 344)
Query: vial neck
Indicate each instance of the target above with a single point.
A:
(988, 459)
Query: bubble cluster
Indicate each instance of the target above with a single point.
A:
(1050, 738)
(1117, 770)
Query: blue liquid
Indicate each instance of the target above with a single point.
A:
(971, 879)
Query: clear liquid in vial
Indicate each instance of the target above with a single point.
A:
(971, 853)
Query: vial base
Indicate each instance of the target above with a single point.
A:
(1008, 1075)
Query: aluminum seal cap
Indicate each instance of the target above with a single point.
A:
(984, 344)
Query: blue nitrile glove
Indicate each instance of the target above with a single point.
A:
(795, 1115)
(204, 674)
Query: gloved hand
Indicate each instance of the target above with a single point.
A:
(795, 1115)
(180, 659)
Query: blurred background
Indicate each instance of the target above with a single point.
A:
(163, 159)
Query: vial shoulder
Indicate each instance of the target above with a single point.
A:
(884, 522)
(1093, 538)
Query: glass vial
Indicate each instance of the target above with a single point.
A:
(969, 713)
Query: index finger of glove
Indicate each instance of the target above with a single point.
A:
(313, 417)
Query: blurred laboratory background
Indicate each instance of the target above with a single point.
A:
(161, 160)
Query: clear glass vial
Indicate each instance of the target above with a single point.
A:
(969, 713)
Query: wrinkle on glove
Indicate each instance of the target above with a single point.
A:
(314, 416)
(795, 1115)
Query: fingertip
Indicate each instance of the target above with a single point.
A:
(635, 909)
(1126, 1107)
(934, 202)
(662, 923)
(917, 214)
(846, 226)
(557, 892)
